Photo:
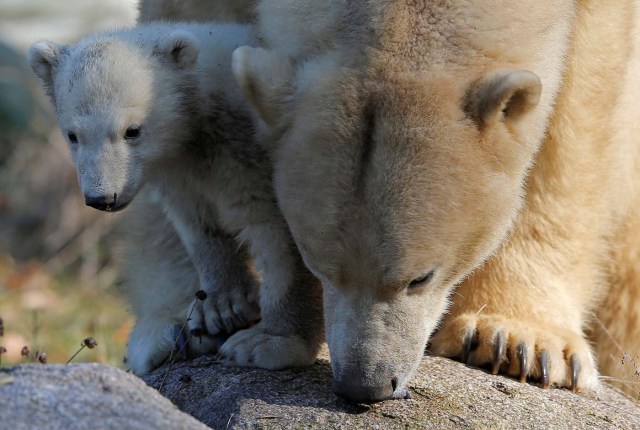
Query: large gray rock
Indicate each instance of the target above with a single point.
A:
(83, 396)
(446, 394)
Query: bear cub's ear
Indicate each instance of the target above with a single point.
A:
(43, 57)
(180, 49)
(505, 95)
(265, 78)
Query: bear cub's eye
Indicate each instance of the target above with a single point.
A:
(132, 133)
(72, 137)
(422, 280)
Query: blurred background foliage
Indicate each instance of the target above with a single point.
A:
(58, 279)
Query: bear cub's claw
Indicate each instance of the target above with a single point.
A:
(224, 312)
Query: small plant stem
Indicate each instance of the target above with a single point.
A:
(175, 343)
(74, 355)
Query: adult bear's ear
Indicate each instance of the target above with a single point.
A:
(43, 57)
(179, 49)
(266, 79)
(506, 95)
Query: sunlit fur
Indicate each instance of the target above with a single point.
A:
(385, 170)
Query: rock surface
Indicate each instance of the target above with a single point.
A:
(83, 396)
(446, 395)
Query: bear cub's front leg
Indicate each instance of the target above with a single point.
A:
(291, 329)
(231, 301)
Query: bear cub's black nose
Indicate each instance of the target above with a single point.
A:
(102, 203)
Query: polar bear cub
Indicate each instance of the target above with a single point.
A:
(156, 106)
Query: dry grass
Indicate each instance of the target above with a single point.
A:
(54, 315)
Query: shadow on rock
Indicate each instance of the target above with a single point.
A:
(224, 393)
(446, 395)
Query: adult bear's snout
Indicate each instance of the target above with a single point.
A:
(352, 389)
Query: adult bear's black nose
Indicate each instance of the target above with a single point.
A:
(102, 203)
(352, 391)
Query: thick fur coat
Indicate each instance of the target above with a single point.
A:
(487, 144)
(155, 108)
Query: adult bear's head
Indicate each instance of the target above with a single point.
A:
(395, 186)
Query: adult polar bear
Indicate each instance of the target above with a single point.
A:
(409, 138)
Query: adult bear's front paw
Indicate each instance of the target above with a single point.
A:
(256, 347)
(520, 348)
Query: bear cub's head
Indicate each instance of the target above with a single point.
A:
(121, 100)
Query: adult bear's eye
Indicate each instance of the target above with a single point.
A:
(132, 133)
(72, 137)
(422, 280)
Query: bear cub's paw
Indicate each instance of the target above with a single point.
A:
(256, 347)
(149, 346)
(153, 343)
(224, 311)
(519, 348)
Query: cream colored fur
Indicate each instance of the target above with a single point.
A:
(409, 139)
(571, 247)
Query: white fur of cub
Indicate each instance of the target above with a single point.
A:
(147, 106)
